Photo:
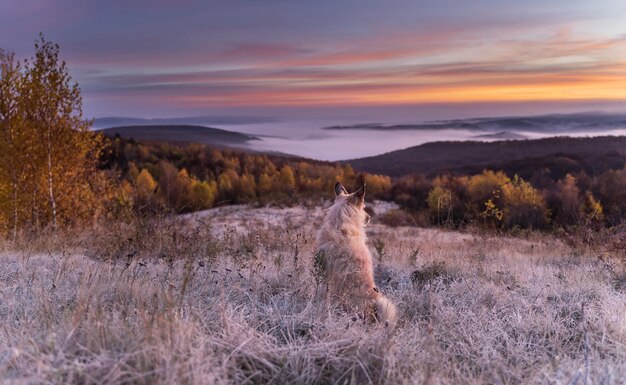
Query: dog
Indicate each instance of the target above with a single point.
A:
(348, 273)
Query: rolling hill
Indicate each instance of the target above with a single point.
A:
(181, 133)
(208, 120)
(555, 123)
(553, 157)
(470, 157)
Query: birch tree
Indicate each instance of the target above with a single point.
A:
(48, 155)
(66, 150)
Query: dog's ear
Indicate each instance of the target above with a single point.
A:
(339, 189)
(360, 194)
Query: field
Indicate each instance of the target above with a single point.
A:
(227, 296)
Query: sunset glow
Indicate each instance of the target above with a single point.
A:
(166, 58)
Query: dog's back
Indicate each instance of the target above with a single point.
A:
(349, 269)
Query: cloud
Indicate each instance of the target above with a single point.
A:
(330, 53)
(520, 70)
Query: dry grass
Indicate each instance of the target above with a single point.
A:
(227, 298)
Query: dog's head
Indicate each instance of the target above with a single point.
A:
(352, 203)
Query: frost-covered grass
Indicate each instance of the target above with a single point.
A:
(227, 297)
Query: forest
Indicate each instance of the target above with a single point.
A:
(189, 177)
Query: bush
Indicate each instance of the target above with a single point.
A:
(524, 206)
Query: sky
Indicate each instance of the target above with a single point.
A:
(413, 59)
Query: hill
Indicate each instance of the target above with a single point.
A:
(208, 120)
(181, 133)
(234, 302)
(502, 135)
(469, 157)
(556, 123)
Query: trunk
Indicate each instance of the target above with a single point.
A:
(14, 210)
(33, 215)
(53, 205)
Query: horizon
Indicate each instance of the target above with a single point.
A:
(271, 118)
(313, 139)
(404, 61)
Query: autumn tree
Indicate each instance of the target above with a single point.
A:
(610, 188)
(246, 188)
(377, 185)
(287, 180)
(412, 191)
(13, 144)
(484, 193)
(440, 203)
(592, 211)
(265, 185)
(49, 154)
(524, 206)
(203, 195)
(566, 201)
(145, 188)
(445, 200)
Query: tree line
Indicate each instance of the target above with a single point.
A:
(189, 177)
(494, 199)
(156, 176)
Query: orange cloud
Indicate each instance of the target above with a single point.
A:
(401, 69)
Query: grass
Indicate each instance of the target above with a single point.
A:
(228, 297)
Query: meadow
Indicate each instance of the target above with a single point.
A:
(228, 296)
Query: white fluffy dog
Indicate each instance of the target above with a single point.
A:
(349, 275)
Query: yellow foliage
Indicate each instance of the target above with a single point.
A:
(227, 181)
(286, 180)
(145, 185)
(265, 184)
(524, 206)
(377, 184)
(440, 203)
(247, 187)
(203, 195)
(48, 154)
(485, 186)
(492, 212)
(592, 209)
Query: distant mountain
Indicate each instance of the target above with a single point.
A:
(581, 122)
(462, 157)
(113, 121)
(181, 133)
(502, 135)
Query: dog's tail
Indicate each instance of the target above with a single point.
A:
(386, 311)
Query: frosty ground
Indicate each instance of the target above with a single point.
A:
(227, 296)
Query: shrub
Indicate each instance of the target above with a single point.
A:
(524, 206)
